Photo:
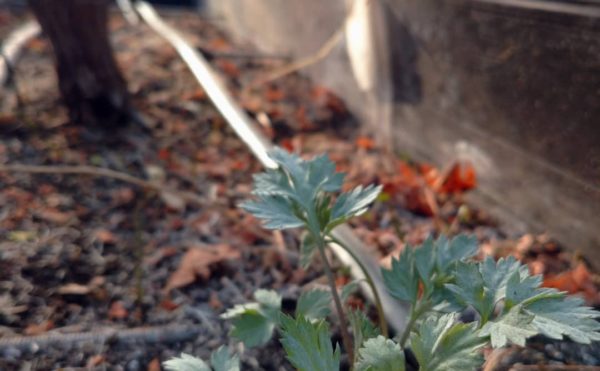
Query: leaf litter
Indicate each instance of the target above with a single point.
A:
(80, 252)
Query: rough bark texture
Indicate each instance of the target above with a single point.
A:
(89, 79)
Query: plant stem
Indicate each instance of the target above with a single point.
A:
(411, 322)
(383, 326)
(346, 339)
(416, 310)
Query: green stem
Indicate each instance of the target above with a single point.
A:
(411, 322)
(416, 310)
(346, 339)
(383, 326)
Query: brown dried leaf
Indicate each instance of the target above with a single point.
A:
(105, 236)
(154, 365)
(197, 261)
(38, 328)
(117, 311)
(55, 216)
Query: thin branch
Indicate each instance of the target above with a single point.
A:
(101, 173)
(157, 334)
(321, 54)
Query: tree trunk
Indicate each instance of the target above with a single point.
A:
(90, 82)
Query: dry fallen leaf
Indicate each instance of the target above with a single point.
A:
(95, 360)
(105, 236)
(53, 215)
(575, 281)
(117, 311)
(38, 328)
(197, 262)
(459, 178)
(154, 365)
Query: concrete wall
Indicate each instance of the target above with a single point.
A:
(512, 85)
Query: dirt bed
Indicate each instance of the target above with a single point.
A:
(99, 268)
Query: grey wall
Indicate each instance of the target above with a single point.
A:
(513, 86)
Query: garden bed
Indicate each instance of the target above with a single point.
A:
(109, 261)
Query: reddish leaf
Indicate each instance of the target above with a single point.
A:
(365, 143)
(95, 360)
(461, 177)
(197, 262)
(40, 328)
(274, 94)
(154, 365)
(229, 68)
(574, 281)
(117, 311)
(169, 305)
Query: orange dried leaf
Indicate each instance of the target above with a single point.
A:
(197, 262)
(461, 177)
(365, 143)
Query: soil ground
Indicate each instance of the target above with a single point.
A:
(87, 255)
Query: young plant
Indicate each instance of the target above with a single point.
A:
(439, 280)
(300, 193)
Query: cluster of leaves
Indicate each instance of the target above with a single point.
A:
(439, 280)
(511, 305)
(298, 194)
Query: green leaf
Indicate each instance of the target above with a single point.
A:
(270, 303)
(252, 328)
(469, 290)
(401, 280)
(520, 287)
(380, 354)
(425, 262)
(362, 328)
(272, 183)
(441, 344)
(459, 248)
(222, 361)
(559, 316)
(514, 327)
(276, 212)
(308, 345)
(186, 362)
(314, 304)
(254, 323)
(354, 202)
(496, 274)
(322, 175)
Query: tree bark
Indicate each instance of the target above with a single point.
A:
(90, 82)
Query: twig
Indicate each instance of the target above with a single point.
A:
(100, 172)
(158, 334)
(323, 52)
